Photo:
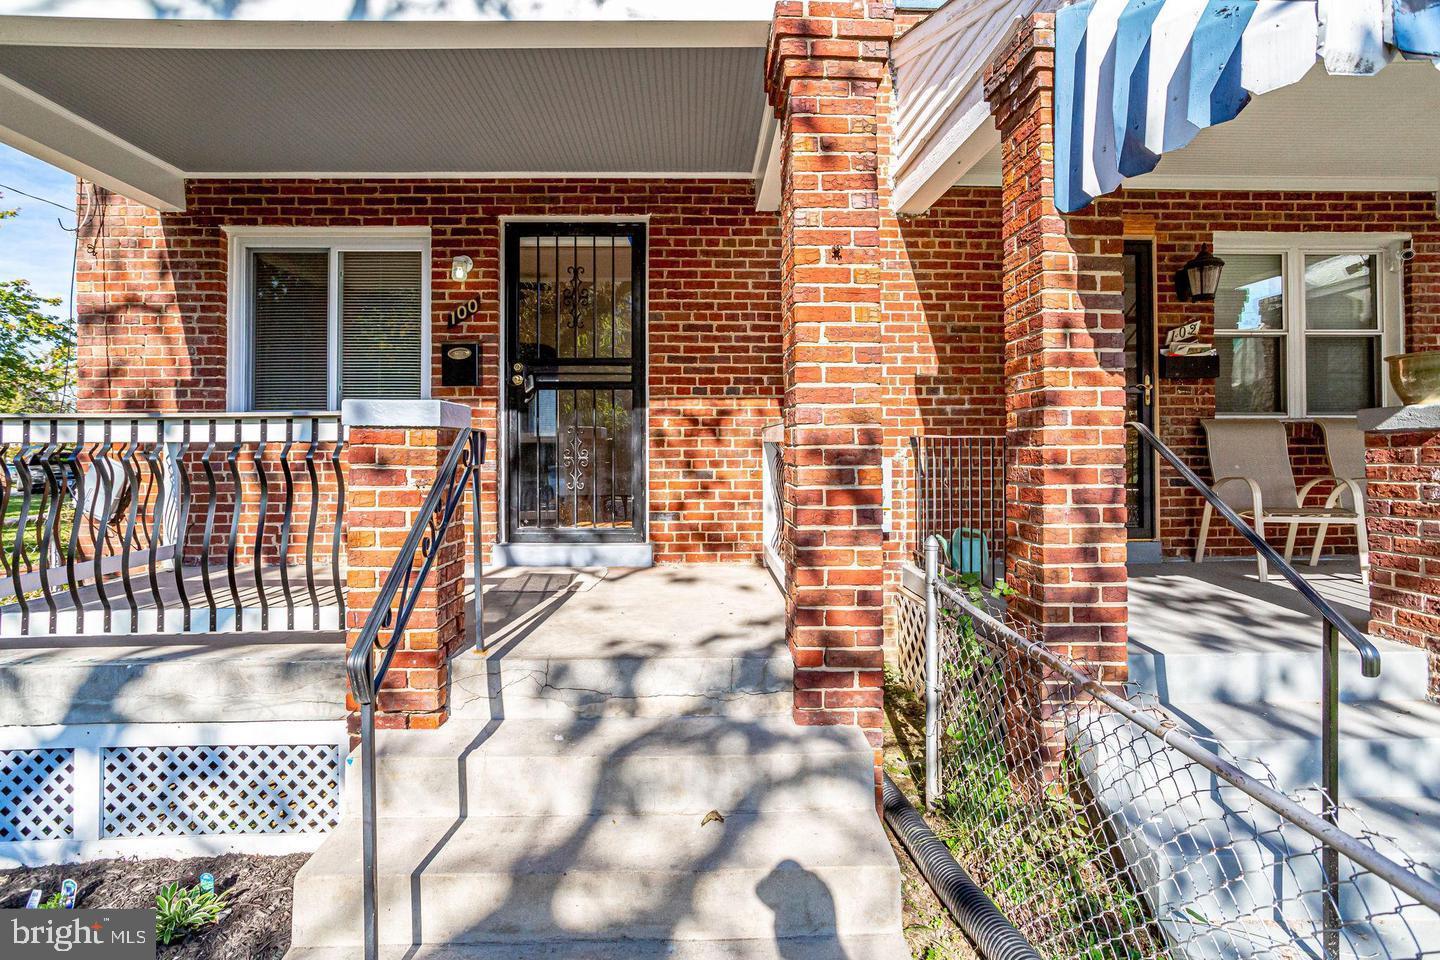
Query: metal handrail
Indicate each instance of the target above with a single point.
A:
(401, 589)
(1369, 655)
(1333, 625)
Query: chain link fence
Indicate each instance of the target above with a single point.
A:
(1102, 829)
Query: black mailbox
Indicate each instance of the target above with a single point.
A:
(460, 365)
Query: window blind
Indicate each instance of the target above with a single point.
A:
(380, 324)
(290, 323)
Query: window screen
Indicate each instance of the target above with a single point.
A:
(380, 324)
(290, 323)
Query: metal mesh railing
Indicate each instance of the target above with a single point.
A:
(960, 496)
(1102, 829)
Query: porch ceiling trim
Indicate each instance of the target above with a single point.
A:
(49, 132)
(140, 106)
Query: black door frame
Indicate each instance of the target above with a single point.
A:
(1147, 365)
(511, 397)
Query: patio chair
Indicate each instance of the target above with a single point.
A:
(1345, 449)
(1250, 460)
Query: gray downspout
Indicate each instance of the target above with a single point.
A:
(977, 916)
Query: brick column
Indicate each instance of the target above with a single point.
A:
(824, 67)
(1064, 377)
(394, 452)
(1402, 516)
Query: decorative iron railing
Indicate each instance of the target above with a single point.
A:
(124, 524)
(368, 661)
(960, 497)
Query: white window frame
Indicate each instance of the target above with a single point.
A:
(239, 333)
(1293, 247)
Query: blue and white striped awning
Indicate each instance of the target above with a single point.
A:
(1136, 79)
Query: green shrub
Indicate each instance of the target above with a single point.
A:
(181, 910)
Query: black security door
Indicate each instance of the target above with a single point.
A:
(1139, 387)
(575, 382)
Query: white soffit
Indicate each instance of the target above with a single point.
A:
(140, 105)
(942, 124)
(1323, 133)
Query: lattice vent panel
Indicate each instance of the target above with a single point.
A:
(910, 627)
(37, 794)
(198, 790)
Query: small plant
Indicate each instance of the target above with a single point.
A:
(55, 901)
(181, 910)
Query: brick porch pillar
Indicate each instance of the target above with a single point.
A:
(1064, 377)
(1402, 516)
(824, 67)
(395, 449)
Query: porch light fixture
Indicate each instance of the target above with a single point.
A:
(460, 268)
(1198, 280)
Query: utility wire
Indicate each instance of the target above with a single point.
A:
(33, 197)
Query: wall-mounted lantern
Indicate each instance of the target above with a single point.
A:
(1199, 280)
(460, 268)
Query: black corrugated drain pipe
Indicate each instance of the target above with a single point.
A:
(986, 926)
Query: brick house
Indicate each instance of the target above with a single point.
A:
(702, 294)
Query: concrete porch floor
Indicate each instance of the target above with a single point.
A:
(1222, 603)
(622, 642)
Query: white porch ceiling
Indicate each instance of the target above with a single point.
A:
(1323, 133)
(142, 105)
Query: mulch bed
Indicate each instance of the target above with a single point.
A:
(260, 892)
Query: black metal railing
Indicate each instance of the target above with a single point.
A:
(1333, 626)
(169, 524)
(960, 497)
(369, 658)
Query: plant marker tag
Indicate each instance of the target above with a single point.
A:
(207, 883)
(33, 901)
(69, 890)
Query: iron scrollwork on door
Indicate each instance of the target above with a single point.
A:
(576, 296)
(577, 460)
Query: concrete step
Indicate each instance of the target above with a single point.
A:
(1228, 879)
(1386, 748)
(226, 678)
(686, 765)
(1195, 668)
(607, 877)
(510, 685)
(843, 947)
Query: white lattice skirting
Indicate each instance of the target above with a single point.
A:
(72, 793)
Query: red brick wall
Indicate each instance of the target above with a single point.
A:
(824, 68)
(1403, 514)
(151, 298)
(943, 336)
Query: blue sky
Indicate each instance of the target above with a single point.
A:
(33, 245)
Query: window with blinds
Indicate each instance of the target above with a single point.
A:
(374, 319)
(379, 324)
(291, 318)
